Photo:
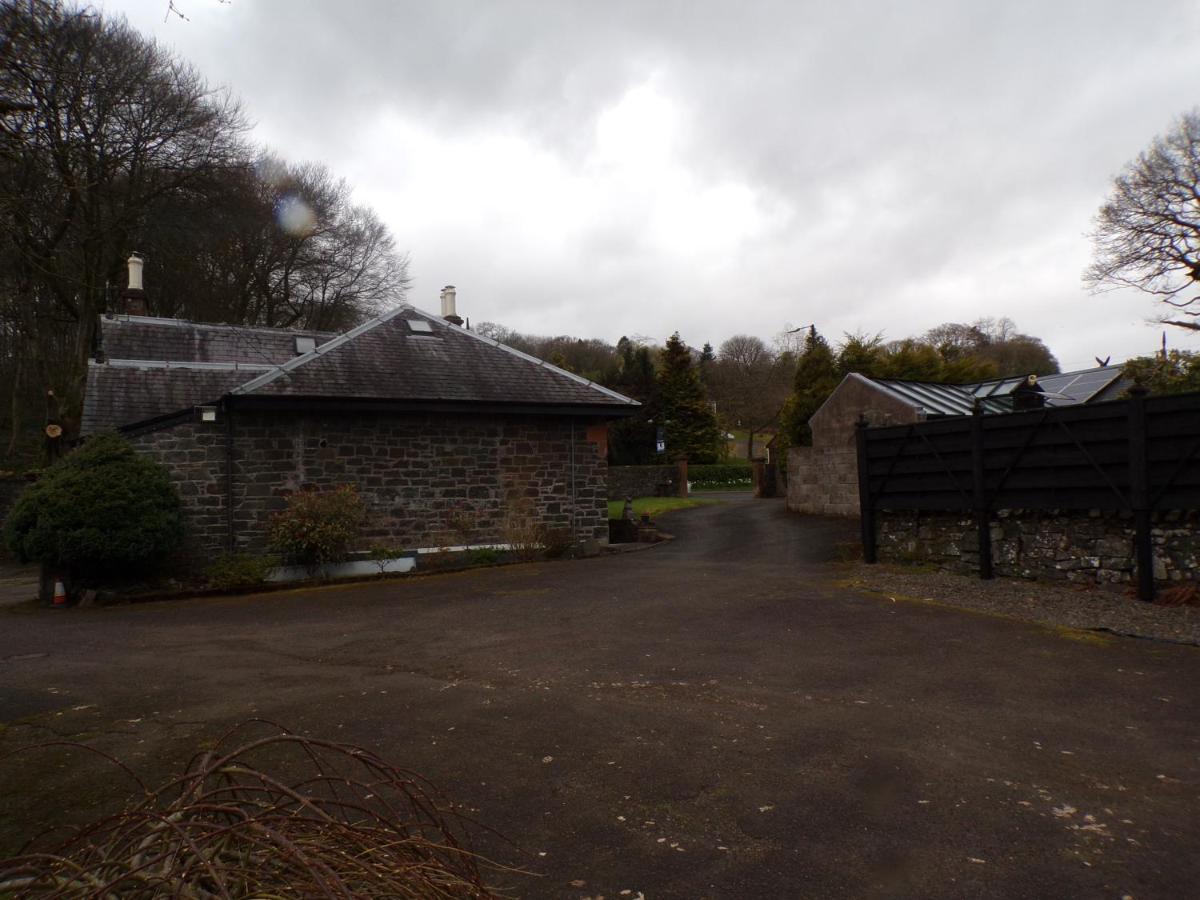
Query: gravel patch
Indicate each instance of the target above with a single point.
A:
(1075, 606)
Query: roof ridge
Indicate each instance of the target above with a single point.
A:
(231, 326)
(317, 352)
(1116, 370)
(528, 357)
(198, 365)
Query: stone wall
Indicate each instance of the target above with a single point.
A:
(427, 480)
(638, 481)
(1090, 547)
(194, 453)
(823, 481)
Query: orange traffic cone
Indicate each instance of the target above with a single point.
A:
(60, 593)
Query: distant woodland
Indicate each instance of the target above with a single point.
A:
(756, 387)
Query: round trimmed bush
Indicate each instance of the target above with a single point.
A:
(101, 515)
(317, 527)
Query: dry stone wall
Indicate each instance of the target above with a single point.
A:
(427, 480)
(1090, 547)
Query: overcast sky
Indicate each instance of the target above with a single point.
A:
(610, 168)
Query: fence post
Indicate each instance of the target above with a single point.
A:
(1139, 492)
(983, 528)
(866, 505)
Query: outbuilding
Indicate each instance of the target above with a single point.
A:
(450, 437)
(823, 478)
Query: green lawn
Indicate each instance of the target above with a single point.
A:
(653, 505)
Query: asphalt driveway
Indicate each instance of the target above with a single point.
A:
(714, 717)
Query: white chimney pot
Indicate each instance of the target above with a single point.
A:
(135, 272)
(448, 296)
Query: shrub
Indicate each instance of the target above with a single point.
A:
(557, 542)
(464, 522)
(239, 570)
(381, 555)
(484, 556)
(521, 530)
(317, 527)
(99, 516)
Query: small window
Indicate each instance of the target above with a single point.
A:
(419, 326)
(305, 345)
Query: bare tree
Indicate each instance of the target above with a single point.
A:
(1147, 233)
(750, 383)
(990, 340)
(109, 144)
(285, 246)
(497, 332)
(99, 124)
(953, 339)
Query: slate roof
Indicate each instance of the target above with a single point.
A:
(126, 395)
(142, 337)
(388, 360)
(1065, 389)
(166, 366)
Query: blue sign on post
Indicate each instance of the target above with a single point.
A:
(660, 440)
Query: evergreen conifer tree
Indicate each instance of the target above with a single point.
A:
(707, 357)
(682, 407)
(631, 440)
(816, 377)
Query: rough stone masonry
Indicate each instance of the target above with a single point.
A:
(428, 480)
(1080, 546)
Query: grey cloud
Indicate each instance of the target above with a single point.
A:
(963, 134)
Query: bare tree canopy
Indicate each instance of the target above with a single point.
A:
(750, 383)
(110, 144)
(1147, 234)
(99, 124)
(284, 245)
(965, 348)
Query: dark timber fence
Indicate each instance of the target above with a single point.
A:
(1141, 455)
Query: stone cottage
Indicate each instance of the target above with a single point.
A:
(823, 478)
(450, 437)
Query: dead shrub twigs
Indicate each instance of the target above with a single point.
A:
(353, 826)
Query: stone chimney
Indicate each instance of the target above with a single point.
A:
(133, 298)
(448, 311)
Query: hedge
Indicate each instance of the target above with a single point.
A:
(721, 474)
